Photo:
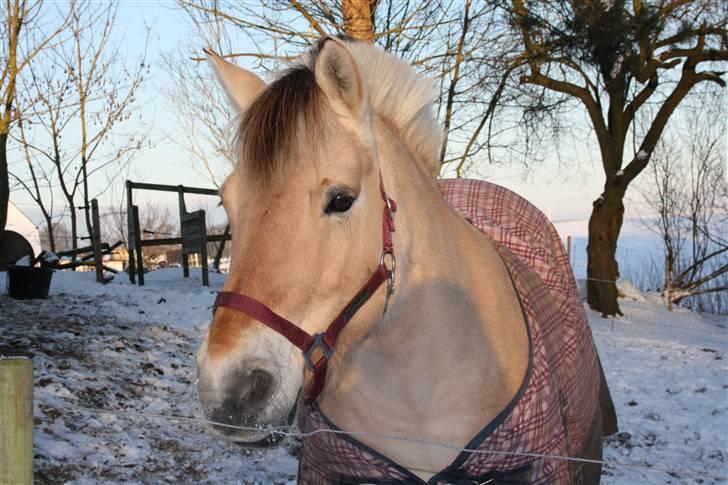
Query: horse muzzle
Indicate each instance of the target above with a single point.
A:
(239, 407)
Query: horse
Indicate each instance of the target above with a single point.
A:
(411, 343)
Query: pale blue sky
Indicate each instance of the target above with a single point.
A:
(566, 191)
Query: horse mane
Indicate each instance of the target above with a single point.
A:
(399, 95)
(269, 128)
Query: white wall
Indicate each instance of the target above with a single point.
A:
(18, 222)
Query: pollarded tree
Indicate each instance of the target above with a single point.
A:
(614, 58)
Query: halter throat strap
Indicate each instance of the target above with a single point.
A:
(318, 348)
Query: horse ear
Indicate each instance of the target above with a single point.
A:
(338, 75)
(241, 86)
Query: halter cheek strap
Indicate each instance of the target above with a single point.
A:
(323, 343)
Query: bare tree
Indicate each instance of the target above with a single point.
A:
(114, 224)
(612, 58)
(688, 192)
(39, 186)
(156, 221)
(106, 91)
(203, 114)
(61, 236)
(455, 42)
(81, 90)
(26, 33)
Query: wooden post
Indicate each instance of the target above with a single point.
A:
(203, 252)
(138, 244)
(96, 241)
(568, 248)
(220, 249)
(16, 420)
(182, 218)
(130, 228)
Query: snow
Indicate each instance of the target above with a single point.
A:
(627, 290)
(111, 360)
(642, 155)
(24, 261)
(619, 173)
(669, 381)
(617, 63)
(166, 296)
(50, 258)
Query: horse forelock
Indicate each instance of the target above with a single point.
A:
(269, 135)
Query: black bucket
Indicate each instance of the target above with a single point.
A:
(26, 282)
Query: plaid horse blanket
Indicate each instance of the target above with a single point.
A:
(548, 417)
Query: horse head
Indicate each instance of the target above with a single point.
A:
(305, 208)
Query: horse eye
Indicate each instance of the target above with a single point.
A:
(340, 203)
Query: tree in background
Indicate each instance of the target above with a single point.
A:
(687, 192)
(452, 41)
(39, 187)
(61, 237)
(614, 58)
(25, 33)
(80, 90)
(156, 221)
(203, 113)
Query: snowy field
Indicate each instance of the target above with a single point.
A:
(114, 362)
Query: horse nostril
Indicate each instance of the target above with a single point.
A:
(245, 399)
(261, 384)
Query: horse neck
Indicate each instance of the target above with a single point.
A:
(445, 346)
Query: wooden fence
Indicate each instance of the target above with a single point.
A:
(193, 230)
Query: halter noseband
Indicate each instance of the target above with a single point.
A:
(325, 341)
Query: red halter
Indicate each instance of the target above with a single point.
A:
(324, 341)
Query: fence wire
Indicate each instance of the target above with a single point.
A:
(293, 432)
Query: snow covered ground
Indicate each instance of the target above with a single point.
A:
(109, 360)
(669, 380)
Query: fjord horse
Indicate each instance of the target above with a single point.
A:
(358, 291)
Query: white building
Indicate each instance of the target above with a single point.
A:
(20, 223)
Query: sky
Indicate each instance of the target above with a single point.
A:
(564, 189)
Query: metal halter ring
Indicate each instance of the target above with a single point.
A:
(392, 260)
(318, 343)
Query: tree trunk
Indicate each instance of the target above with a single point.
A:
(4, 183)
(668, 278)
(602, 269)
(359, 19)
(86, 201)
(74, 230)
(51, 237)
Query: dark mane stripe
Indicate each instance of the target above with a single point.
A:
(268, 129)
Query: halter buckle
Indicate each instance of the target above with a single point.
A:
(390, 279)
(391, 208)
(318, 343)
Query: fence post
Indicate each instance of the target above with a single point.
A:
(668, 282)
(96, 241)
(568, 248)
(16, 420)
